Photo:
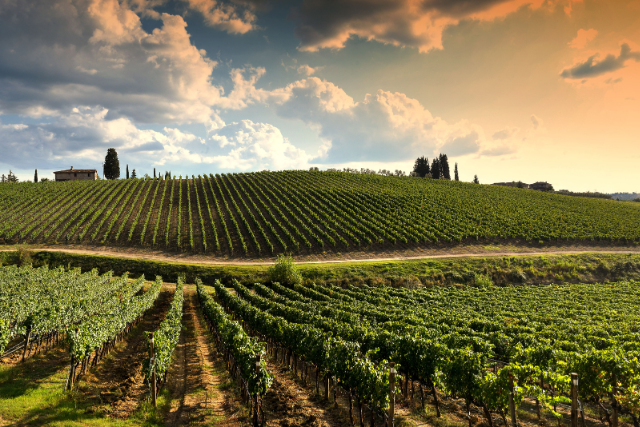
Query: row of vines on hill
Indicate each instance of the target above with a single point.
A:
(268, 213)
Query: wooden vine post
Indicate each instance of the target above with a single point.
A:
(512, 403)
(255, 403)
(614, 391)
(574, 400)
(26, 342)
(154, 382)
(392, 393)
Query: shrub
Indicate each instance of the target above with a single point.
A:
(284, 271)
(483, 281)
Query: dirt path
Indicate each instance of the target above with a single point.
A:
(116, 385)
(462, 252)
(197, 387)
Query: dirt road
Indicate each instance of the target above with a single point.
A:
(395, 256)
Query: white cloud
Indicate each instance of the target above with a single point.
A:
(258, 146)
(386, 126)
(307, 70)
(83, 135)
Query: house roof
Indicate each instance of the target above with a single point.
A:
(77, 170)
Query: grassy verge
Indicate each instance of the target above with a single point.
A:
(32, 394)
(521, 269)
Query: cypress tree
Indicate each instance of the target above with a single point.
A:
(35, 176)
(456, 173)
(435, 169)
(127, 171)
(111, 164)
(444, 167)
(154, 173)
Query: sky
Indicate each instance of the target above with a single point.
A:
(529, 90)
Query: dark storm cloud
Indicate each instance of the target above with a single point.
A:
(593, 68)
(414, 23)
(324, 20)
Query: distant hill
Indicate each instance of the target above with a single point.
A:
(264, 213)
(625, 196)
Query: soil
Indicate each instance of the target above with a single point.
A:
(289, 403)
(197, 391)
(457, 251)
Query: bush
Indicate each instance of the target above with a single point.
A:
(483, 281)
(24, 256)
(284, 271)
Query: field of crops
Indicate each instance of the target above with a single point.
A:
(483, 345)
(40, 308)
(267, 213)
(493, 348)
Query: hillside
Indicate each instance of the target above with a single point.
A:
(266, 213)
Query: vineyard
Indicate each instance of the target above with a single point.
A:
(299, 212)
(492, 350)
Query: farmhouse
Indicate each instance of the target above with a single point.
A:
(72, 174)
(518, 184)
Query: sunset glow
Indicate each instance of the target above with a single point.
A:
(530, 90)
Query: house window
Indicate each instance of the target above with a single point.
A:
(75, 175)
(88, 174)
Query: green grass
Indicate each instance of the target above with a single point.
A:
(32, 394)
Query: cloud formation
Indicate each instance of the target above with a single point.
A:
(229, 17)
(411, 23)
(83, 135)
(58, 55)
(582, 38)
(386, 126)
(592, 68)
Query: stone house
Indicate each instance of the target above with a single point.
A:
(72, 174)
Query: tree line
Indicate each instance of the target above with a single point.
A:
(439, 169)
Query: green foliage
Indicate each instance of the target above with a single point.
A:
(90, 308)
(421, 167)
(167, 336)
(311, 211)
(245, 349)
(483, 281)
(112, 165)
(284, 271)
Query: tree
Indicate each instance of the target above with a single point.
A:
(435, 168)
(154, 173)
(444, 167)
(111, 164)
(133, 174)
(476, 180)
(44, 180)
(35, 176)
(12, 177)
(421, 167)
(127, 171)
(455, 171)
(4, 178)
